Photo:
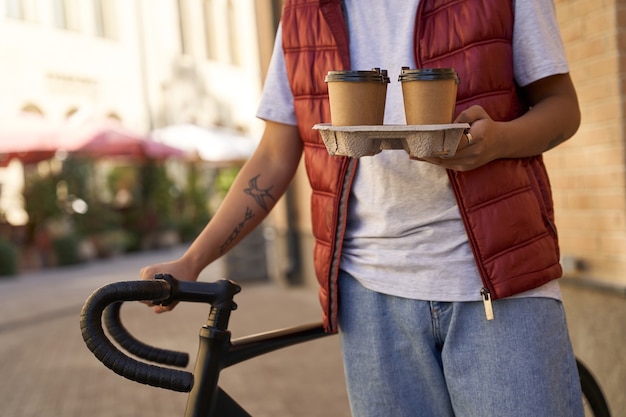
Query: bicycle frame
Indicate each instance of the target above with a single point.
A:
(216, 353)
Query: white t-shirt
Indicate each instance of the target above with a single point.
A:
(405, 236)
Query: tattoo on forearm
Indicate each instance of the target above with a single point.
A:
(237, 230)
(555, 142)
(259, 194)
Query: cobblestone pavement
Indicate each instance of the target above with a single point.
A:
(46, 370)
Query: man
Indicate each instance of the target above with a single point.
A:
(438, 274)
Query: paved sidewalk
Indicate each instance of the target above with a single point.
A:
(48, 372)
(597, 324)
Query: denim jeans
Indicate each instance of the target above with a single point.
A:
(413, 358)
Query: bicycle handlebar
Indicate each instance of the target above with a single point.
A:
(118, 332)
(163, 290)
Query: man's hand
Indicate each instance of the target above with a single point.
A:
(481, 149)
(179, 269)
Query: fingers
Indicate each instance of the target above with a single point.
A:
(471, 151)
(158, 309)
(466, 140)
(178, 269)
(431, 160)
(148, 273)
(464, 158)
(471, 115)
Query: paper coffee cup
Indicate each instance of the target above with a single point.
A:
(429, 95)
(357, 97)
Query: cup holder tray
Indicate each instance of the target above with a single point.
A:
(419, 141)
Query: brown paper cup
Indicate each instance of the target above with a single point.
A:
(429, 95)
(357, 97)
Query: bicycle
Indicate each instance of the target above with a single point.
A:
(216, 350)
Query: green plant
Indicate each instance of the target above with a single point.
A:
(157, 199)
(193, 205)
(189, 228)
(66, 250)
(8, 258)
(40, 200)
(99, 217)
(47, 193)
(225, 179)
(112, 242)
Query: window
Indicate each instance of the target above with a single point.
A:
(14, 9)
(233, 35)
(104, 21)
(59, 14)
(182, 20)
(73, 13)
(210, 34)
(98, 15)
(67, 14)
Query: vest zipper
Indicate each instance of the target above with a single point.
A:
(484, 292)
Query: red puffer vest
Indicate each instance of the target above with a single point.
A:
(506, 205)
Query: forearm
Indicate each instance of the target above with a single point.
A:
(257, 188)
(551, 121)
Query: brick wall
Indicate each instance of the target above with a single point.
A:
(587, 172)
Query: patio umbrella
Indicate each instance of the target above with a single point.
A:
(210, 144)
(28, 137)
(31, 138)
(110, 138)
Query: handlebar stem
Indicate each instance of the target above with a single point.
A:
(219, 293)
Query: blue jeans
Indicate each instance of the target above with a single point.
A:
(418, 358)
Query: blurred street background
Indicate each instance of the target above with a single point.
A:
(122, 126)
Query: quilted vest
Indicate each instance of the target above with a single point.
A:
(506, 205)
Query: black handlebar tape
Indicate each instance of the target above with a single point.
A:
(118, 332)
(108, 354)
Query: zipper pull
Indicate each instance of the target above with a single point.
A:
(484, 292)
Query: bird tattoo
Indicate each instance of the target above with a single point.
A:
(258, 194)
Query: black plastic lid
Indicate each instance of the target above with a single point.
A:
(428, 74)
(374, 75)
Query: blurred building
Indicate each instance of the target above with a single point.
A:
(147, 63)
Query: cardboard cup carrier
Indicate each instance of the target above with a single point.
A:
(357, 97)
(429, 95)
